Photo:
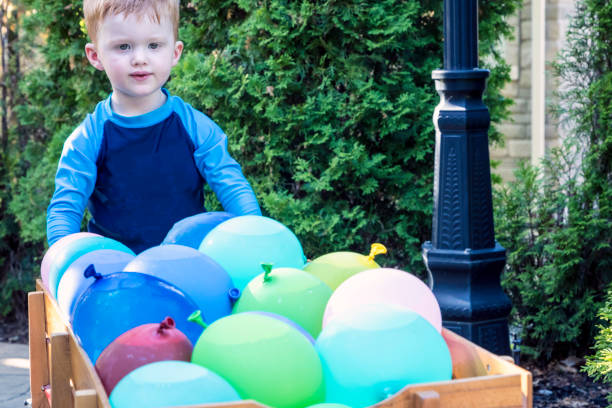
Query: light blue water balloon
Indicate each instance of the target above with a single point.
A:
(169, 384)
(242, 243)
(373, 351)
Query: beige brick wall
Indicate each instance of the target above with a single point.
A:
(517, 130)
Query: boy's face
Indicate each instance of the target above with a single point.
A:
(137, 54)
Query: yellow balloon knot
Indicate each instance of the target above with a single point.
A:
(376, 249)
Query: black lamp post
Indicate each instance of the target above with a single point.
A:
(463, 258)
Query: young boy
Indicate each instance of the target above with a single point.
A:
(140, 159)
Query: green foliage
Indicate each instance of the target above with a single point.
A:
(327, 105)
(559, 255)
(599, 365)
(57, 91)
(555, 220)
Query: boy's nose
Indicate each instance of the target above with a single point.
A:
(139, 56)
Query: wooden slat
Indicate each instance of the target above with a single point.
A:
(237, 404)
(53, 319)
(61, 392)
(86, 398)
(39, 367)
(426, 399)
(493, 392)
(488, 391)
(82, 372)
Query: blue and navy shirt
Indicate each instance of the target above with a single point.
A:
(138, 175)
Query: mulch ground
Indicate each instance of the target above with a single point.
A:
(561, 384)
(558, 384)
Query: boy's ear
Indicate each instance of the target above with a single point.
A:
(178, 50)
(92, 56)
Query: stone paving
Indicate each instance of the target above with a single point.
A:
(14, 375)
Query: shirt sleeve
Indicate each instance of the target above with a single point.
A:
(74, 182)
(220, 170)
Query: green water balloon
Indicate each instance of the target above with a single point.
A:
(289, 292)
(264, 359)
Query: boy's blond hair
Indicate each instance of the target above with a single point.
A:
(96, 10)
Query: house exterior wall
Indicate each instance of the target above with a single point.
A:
(517, 130)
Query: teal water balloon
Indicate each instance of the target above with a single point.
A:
(289, 292)
(264, 359)
(373, 351)
(242, 243)
(73, 251)
(328, 405)
(169, 384)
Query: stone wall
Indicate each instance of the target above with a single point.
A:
(518, 53)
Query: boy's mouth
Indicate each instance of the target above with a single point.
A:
(140, 76)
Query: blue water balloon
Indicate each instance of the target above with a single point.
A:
(191, 231)
(115, 303)
(196, 274)
(73, 282)
(242, 243)
(73, 251)
(371, 352)
(171, 383)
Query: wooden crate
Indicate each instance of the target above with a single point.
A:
(480, 379)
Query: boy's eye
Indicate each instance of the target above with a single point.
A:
(153, 45)
(124, 47)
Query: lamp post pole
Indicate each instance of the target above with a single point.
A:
(463, 259)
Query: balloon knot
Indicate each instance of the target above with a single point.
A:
(167, 323)
(234, 294)
(90, 271)
(267, 267)
(196, 317)
(376, 249)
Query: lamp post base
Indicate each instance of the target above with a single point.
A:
(492, 334)
(467, 286)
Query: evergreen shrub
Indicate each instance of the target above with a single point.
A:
(57, 90)
(555, 220)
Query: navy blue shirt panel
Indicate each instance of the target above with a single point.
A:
(147, 180)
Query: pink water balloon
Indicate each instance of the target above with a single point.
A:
(384, 286)
(55, 250)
